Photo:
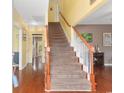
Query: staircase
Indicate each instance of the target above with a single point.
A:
(66, 72)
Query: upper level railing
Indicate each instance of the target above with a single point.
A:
(48, 60)
(84, 51)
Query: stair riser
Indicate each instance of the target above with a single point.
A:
(67, 48)
(67, 72)
(59, 40)
(66, 64)
(57, 36)
(61, 50)
(67, 67)
(60, 61)
(58, 58)
(59, 32)
(68, 76)
(54, 52)
(70, 81)
(62, 46)
(81, 73)
(75, 87)
(62, 55)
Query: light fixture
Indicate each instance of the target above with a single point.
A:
(34, 23)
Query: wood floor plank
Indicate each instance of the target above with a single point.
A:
(32, 81)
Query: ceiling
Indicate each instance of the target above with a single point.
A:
(103, 15)
(34, 12)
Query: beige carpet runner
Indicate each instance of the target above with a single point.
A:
(66, 71)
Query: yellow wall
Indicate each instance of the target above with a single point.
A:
(76, 10)
(15, 43)
(26, 45)
(17, 19)
(24, 41)
(66, 28)
(52, 13)
(15, 39)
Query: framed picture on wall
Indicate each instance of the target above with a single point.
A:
(88, 37)
(107, 39)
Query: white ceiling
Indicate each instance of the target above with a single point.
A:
(33, 11)
(103, 15)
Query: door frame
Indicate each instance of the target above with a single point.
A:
(20, 49)
(35, 35)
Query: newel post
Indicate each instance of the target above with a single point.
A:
(92, 75)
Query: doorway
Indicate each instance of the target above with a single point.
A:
(37, 51)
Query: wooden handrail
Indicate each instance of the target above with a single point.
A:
(91, 50)
(48, 60)
(64, 19)
(83, 40)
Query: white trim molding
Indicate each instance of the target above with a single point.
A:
(107, 64)
(20, 49)
(24, 66)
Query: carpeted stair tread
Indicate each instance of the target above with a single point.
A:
(70, 84)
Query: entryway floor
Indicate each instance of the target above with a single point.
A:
(31, 80)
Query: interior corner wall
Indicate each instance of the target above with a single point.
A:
(24, 51)
(15, 39)
(66, 29)
(76, 10)
(52, 11)
(98, 31)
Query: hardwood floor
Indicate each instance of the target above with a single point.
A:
(31, 80)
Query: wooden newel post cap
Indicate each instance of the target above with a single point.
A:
(92, 48)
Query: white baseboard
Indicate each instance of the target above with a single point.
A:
(107, 64)
(23, 67)
(67, 90)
